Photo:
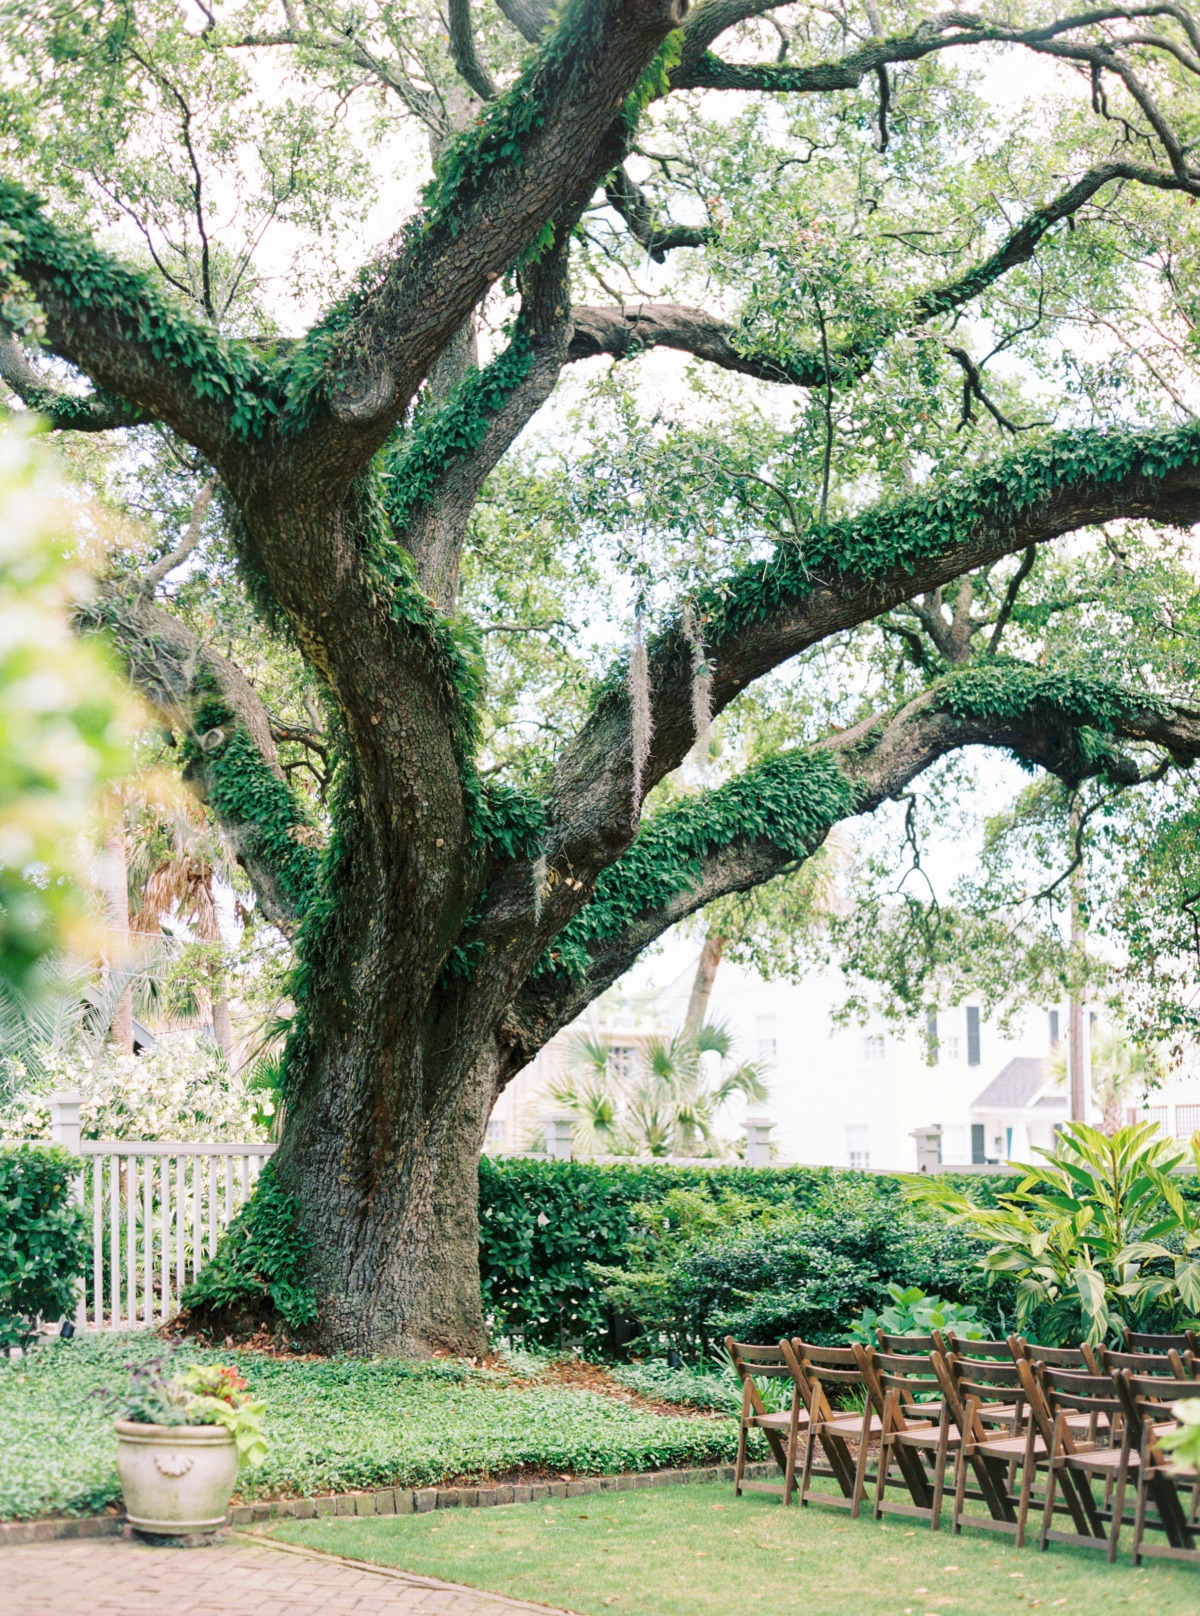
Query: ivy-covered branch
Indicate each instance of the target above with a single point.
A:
(64, 412)
(494, 192)
(777, 814)
(132, 339)
(224, 732)
(833, 577)
(434, 476)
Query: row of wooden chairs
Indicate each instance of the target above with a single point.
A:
(991, 1420)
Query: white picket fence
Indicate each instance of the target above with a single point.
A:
(157, 1209)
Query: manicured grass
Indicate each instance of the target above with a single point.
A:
(698, 1551)
(334, 1425)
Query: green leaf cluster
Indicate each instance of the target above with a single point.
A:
(44, 1247)
(1099, 1238)
(259, 1262)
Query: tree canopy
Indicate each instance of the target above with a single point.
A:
(509, 395)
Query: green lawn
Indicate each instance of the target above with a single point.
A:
(698, 1551)
(334, 1425)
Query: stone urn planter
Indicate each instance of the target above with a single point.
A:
(177, 1479)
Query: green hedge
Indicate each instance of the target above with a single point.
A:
(44, 1247)
(542, 1223)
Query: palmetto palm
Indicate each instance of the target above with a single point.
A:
(666, 1107)
(1121, 1073)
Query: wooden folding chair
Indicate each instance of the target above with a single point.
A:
(1094, 1398)
(988, 1402)
(1158, 1483)
(913, 1432)
(837, 1370)
(1181, 1341)
(782, 1430)
(1074, 1361)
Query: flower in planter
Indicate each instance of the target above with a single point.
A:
(201, 1394)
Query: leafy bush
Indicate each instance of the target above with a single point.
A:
(1099, 1238)
(715, 1386)
(692, 1253)
(566, 1248)
(258, 1261)
(912, 1312)
(44, 1248)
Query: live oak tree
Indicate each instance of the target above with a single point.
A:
(877, 279)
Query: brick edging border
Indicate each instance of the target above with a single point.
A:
(395, 1501)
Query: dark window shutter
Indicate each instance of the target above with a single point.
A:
(972, 1035)
(931, 1037)
(977, 1149)
(1054, 1035)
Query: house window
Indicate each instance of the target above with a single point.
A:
(622, 1062)
(858, 1146)
(978, 1148)
(951, 1047)
(766, 1038)
(931, 1037)
(874, 1047)
(1054, 1032)
(1159, 1115)
(1187, 1120)
(495, 1131)
(972, 1035)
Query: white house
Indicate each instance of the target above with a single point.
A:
(855, 1096)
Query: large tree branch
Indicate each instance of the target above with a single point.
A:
(770, 820)
(634, 206)
(700, 69)
(227, 742)
(495, 192)
(65, 412)
(134, 342)
(620, 332)
(836, 577)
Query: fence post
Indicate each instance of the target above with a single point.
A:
(559, 1126)
(758, 1140)
(65, 1131)
(64, 1119)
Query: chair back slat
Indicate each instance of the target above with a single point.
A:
(1081, 1393)
(1076, 1360)
(834, 1366)
(904, 1372)
(1111, 1362)
(1145, 1341)
(959, 1347)
(921, 1345)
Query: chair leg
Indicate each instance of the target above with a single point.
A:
(960, 1487)
(1139, 1514)
(1027, 1470)
(1118, 1511)
(1051, 1483)
(806, 1477)
(789, 1480)
(939, 1482)
(739, 1468)
(885, 1464)
(860, 1468)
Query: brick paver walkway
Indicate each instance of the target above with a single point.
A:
(111, 1577)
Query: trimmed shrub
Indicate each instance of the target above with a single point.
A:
(43, 1242)
(569, 1250)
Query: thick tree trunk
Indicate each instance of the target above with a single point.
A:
(388, 1191)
